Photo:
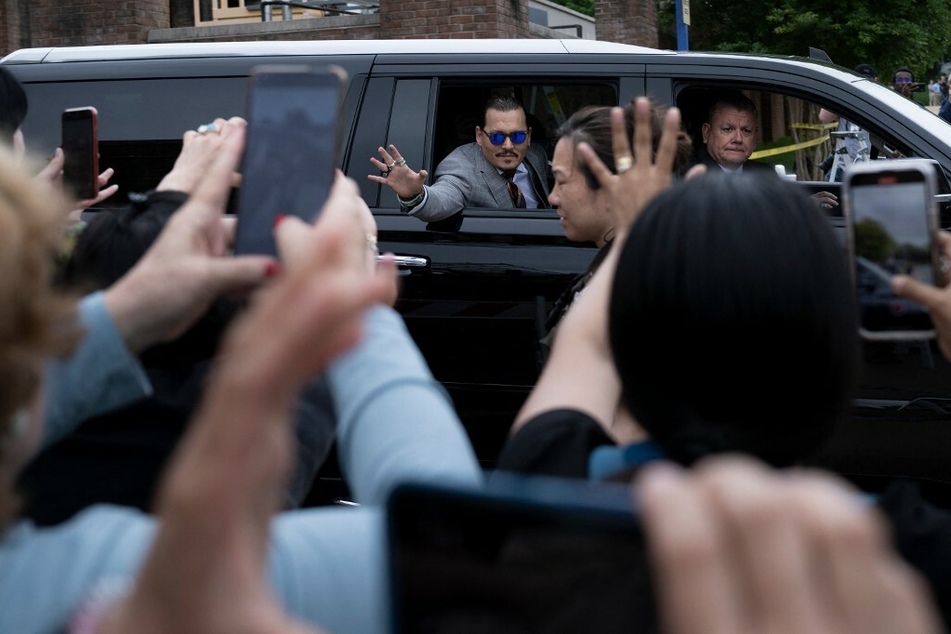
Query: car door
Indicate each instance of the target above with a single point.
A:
(901, 421)
(483, 281)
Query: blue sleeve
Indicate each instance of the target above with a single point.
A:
(394, 420)
(99, 376)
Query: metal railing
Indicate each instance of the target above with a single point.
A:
(329, 6)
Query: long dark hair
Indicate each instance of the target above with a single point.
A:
(13, 105)
(732, 320)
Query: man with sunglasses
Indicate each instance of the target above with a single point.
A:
(500, 169)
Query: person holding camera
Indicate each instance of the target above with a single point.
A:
(903, 82)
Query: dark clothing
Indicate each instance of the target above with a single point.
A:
(921, 532)
(564, 301)
(119, 457)
(945, 110)
(702, 156)
(560, 443)
(554, 443)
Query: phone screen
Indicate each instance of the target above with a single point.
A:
(893, 229)
(511, 561)
(291, 152)
(80, 152)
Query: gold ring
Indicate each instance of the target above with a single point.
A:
(624, 163)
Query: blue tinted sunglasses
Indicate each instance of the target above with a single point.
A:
(498, 138)
(898, 80)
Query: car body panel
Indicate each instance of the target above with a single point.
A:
(477, 297)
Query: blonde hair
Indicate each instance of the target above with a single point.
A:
(36, 321)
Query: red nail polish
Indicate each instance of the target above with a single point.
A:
(271, 269)
(279, 218)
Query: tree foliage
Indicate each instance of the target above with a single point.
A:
(581, 6)
(885, 33)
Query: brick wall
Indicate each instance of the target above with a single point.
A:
(627, 21)
(14, 24)
(355, 27)
(453, 18)
(82, 22)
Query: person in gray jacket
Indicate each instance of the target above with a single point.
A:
(500, 169)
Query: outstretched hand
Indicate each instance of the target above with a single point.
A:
(640, 176)
(937, 299)
(190, 264)
(396, 174)
(199, 150)
(206, 570)
(52, 175)
(738, 548)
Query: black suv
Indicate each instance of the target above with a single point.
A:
(484, 281)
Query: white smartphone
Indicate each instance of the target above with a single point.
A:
(891, 220)
(293, 140)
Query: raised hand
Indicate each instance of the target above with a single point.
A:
(739, 548)
(396, 174)
(640, 176)
(937, 299)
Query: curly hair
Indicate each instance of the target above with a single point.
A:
(592, 125)
(36, 322)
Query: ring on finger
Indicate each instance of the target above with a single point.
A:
(400, 162)
(390, 166)
(623, 163)
(207, 127)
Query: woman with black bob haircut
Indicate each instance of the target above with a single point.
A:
(723, 320)
(732, 321)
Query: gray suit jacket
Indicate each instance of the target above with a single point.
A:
(465, 179)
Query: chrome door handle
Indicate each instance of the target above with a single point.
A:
(409, 261)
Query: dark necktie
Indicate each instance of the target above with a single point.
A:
(518, 199)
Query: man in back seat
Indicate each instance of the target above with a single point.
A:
(500, 169)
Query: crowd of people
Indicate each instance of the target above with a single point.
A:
(739, 538)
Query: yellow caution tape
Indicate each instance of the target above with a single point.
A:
(814, 126)
(789, 148)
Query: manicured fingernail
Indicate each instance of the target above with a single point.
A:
(271, 269)
(279, 218)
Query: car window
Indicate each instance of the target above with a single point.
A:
(169, 106)
(790, 133)
(547, 106)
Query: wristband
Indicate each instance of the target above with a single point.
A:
(409, 203)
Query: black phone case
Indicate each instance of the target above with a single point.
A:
(293, 142)
(81, 152)
(523, 554)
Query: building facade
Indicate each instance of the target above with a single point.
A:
(33, 23)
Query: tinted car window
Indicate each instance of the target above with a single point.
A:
(131, 109)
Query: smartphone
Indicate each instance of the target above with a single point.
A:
(522, 554)
(81, 152)
(293, 140)
(892, 226)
